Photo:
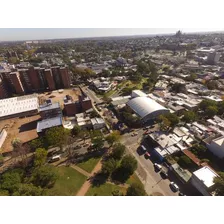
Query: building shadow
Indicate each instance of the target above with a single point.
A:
(28, 126)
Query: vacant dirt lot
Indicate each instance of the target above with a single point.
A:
(58, 97)
(22, 128)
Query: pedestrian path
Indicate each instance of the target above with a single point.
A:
(80, 170)
(85, 187)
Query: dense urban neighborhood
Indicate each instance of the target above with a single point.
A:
(113, 116)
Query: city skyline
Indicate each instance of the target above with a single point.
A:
(20, 34)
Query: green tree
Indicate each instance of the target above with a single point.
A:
(179, 88)
(37, 143)
(76, 130)
(97, 139)
(28, 190)
(211, 111)
(4, 193)
(168, 120)
(118, 151)
(113, 137)
(40, 157)
(57, 136)
(221, 108)
(136, 189)
(45, 176)
(1, 159)
(219, 184)
(129, 164)
(11, 180)
(189, 116)
(204, 104)
(109, 166)
(185, 162)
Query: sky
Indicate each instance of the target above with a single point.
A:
(12, 34)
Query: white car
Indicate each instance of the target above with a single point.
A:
(134, 134)
(174, 186)
(157, 166)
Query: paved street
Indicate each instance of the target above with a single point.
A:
(151, 179)
(91, 95)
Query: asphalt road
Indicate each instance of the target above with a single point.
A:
(152, 180)
(91, 95)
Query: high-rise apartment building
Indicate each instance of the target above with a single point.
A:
(65, 76)
(34, 79)
(50, 79)
(15, 77)
(3, 90)
(25, 80)
(57, 77)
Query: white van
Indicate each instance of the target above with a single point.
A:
(55, 158)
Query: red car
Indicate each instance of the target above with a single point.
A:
(147, 155)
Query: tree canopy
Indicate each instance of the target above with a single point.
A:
(113, 137)
(118, 151)
(189, 116)
(57, 136)
(136, 189)
(109, 166)
(45, 176)
(128, 164)
(219, 184)
(40, 157)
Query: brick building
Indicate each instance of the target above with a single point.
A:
(65, 76)
(15, 78)
(50, 79)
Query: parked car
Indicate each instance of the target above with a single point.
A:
(147, 155)
(157, 166)
(55, 158)
(86, 144)
(77, 147)
(163, 174)
(174, 186)
(134, 134)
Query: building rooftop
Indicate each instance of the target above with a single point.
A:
(206, 175)
(219, 141)
(97, 121)
(144, 106)
(16, 105)
(48, 123)
(183, 174)
(49, 106)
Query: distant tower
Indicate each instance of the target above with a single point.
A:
(213, 58)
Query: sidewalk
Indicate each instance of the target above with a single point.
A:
(85, 187)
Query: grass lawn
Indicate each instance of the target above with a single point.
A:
(68, 183)
(133, 179)
(104, 190)
(89, 164)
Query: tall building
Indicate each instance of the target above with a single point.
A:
(213, 58)
(3, 90)
(34, 79)
(65, 76)
(6, 79)
(42, 78)
(25, 80)
(15, 77)
(57, 77)
(50, 79)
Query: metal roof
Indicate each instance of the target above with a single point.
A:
(16, 105)
(49, 123)
(144, 106)
(45, 107)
